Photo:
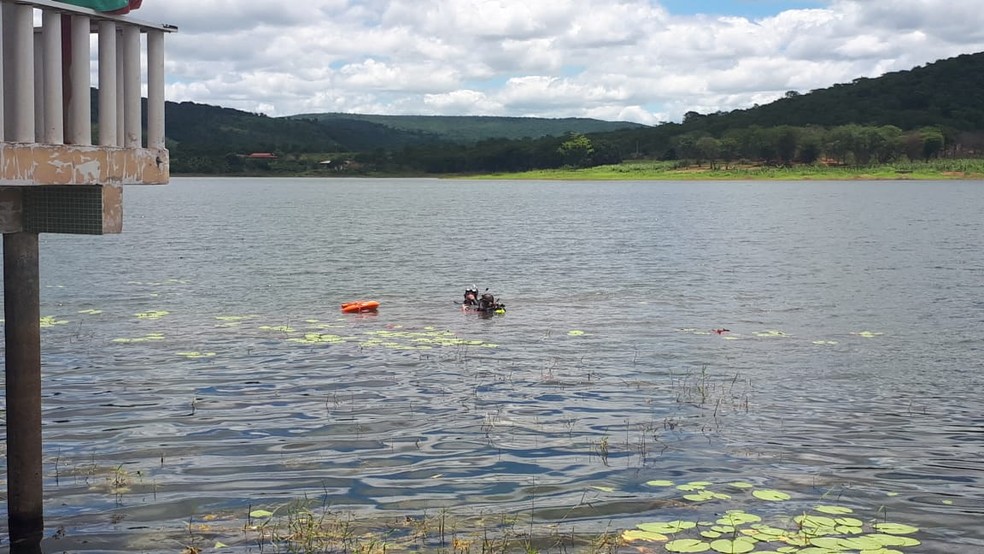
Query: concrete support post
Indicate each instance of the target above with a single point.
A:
(22, 333)
(107, 84)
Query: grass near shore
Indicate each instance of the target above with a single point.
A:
(673, 171)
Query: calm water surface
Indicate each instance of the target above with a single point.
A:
(197, 365)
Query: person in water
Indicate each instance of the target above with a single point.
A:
(487, 302)
(471, 297)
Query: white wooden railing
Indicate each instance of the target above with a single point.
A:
(46, 83)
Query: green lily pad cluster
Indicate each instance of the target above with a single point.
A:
(149, 337)
(699, 492)
(426, 339)
(51, 321)
(232, 320)
(196, 355)
(771, 333)
(155, 314)
(825, 529)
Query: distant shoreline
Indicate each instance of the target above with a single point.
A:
(933, 170)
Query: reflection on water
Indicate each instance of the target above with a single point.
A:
(198, 366)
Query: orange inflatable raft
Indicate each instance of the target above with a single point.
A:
(360, 306)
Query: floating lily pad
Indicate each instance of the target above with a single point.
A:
(890, 540)
(603, 489)
(631, 535)
(156, 314)
(90, 312)
(849, 521)
(705, 495)
(896, 528)
(769, 530)
(667, 527)
(794, 540)
(742, 485)
(660, 483)
(737, 517)
(260, 513)
(815, 521)
(196, 355)
(771, 495)
(829, 543)
(868, 334)
(575, 333)
(736, 546)
(836, 510)
(711, 534)
(695, 486)
(146, 338)
(687, 545)
(770, 333)
(318, 338)
(51, 321)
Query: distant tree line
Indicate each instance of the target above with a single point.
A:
(852, 145)
(787, 145)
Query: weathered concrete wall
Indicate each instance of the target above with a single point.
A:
(44, 164)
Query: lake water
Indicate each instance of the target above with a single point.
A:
(197, 366)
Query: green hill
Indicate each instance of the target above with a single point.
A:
(465, 129)
(947, 93)
(930, 111)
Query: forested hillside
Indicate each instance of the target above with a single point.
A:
(470, 129)
(928, 112)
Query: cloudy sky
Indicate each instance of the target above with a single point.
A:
(648, 61)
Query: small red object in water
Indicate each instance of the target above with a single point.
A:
(360, 306)
(721, 331)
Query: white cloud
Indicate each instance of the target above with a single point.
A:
(612, 59)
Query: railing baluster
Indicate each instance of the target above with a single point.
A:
(107, 84)
(3, 56)
(18, 50)
(54, 126)
(79, 128)
(131, 87)
(155, 89)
